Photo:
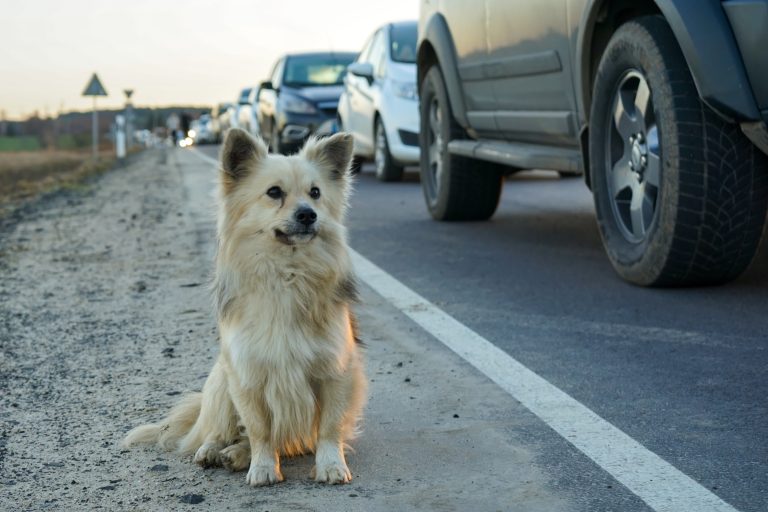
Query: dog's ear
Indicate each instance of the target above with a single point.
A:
(239, 153)
(333, 153)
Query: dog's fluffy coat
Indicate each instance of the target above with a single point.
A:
(289, 375)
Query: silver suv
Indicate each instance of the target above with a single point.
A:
(662, 104)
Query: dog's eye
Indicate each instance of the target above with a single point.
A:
(314, 193)
(275, 192)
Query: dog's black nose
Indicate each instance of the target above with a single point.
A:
(306, 215)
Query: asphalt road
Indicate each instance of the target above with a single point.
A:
(682, 371)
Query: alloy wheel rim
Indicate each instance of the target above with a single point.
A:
(436, 148)
(633, 157)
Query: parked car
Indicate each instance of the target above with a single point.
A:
(302, 93)
(221, 117)
(227, 117)
(200, 130)
(379, 105)
(662, 103)
(247, 110)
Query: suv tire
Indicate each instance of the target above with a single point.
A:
(386, 167)
(455, 187)
(680, 194)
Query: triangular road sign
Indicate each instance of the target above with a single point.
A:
(94, 87)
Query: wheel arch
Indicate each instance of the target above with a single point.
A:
(436, 47)
(705, 37)
(700, 28)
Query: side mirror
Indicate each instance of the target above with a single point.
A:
(266, 85)
(362, 69)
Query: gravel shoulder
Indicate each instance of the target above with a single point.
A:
(106, 320)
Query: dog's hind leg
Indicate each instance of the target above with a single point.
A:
(237, 457)
(216, 426)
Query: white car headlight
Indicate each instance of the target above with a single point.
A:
(406, 90)
(296, 105)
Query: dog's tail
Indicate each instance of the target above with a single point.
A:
(169, 432)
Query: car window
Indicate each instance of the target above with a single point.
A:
(316, 69)
(366, 50)
(376, 47)
(378, 54)
(277, 74)
(402, 43)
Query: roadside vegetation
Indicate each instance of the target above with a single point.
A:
(26, 174)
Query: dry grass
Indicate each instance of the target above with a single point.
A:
(26, 174)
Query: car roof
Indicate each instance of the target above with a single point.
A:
(318, 54)
(408, 23)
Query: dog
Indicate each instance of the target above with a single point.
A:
(289, 378)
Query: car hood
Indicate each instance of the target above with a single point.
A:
(317, 94)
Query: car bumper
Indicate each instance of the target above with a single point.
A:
(401, 121)
(295, 129)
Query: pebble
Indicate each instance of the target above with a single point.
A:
(193, 499)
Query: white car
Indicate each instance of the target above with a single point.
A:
(380, 103)
(247, 107)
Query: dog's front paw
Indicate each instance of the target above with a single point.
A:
(332, 473)
(263, 475)
(236, 457)
(208, 455)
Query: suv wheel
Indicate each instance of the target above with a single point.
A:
(386, 167)
(680, 194)
(455, 187)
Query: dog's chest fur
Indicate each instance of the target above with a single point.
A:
(283, 335)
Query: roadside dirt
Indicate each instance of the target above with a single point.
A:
(105, 321)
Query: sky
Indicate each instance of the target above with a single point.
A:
(189, 52)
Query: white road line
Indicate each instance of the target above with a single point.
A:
(205, 157)
(659, 484)
(655, 481)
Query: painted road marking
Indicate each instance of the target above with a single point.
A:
(655, 481)
(205, 157)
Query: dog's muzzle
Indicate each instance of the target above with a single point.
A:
(302, 229)
(296, 233)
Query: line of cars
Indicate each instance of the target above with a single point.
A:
(660, 104)
(371, 94)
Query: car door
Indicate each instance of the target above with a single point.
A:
(529, 65)
(362, 108)
(350, 98)
(268, 99)
(467, 25)
(378, 59)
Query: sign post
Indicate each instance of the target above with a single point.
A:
(128, 117)
(94, 88)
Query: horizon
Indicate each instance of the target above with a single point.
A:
(156, 49)
(118, 108)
